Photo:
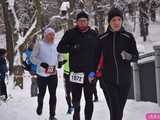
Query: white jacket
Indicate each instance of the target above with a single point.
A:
(44, 52)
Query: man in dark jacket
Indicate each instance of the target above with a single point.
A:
(81, 42)
(118, 48)
(3, 70)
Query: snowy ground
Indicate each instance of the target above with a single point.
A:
(23, 107)
(152, 39)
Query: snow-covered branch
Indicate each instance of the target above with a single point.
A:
(22, 39)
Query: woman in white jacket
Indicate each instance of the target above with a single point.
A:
(46, 57)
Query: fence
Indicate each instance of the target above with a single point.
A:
(146, 77)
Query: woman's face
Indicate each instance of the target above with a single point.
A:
(50, 37)
(116, 23)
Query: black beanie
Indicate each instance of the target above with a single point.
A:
(82, 14)
(2, 51)
(114, 12)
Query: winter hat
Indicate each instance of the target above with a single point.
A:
(82, 14)
(49, 30)
(114, 12)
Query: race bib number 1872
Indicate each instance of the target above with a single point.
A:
(77, 77)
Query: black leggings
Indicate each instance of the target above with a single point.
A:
(51, 82)
(77, 93)
(3, 88)
(67, 85)
(95, 89)
(116, 97)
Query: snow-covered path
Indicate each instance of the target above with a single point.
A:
(23, 107)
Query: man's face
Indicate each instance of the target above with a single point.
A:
(82, 23)
(50, 37)
(116, 23)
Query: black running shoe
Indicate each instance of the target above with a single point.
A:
(39, 109)
(52, 118)
(70, 109)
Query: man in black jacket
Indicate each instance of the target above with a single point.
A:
(81, 42)
(118, 48)
(3, 70)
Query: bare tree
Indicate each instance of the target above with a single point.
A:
(9, 38)
(71, 13)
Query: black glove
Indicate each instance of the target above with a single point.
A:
(61, 63)
(26, 66)
(44, 65)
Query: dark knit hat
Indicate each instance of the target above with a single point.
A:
(2, 51)
(114, 12)
(82, 14)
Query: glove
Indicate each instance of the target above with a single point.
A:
(26, 66)
(44, 65)
(91, 76)
(61, 63)
(126, 56)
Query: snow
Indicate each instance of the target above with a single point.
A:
(22, 39)
(65, 6)
(23, 107)
(152, 39)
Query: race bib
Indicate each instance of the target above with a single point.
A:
(77, 77)
(51, 70)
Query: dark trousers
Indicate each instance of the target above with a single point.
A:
(51, 82)
(34, 86)
(95, 89)
(77, 93)
(116, 97)
(3, 88)
(67, 85)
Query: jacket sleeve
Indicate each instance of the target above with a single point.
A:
(98, 52)
(133, 49)
(64, 46)
(35, 54)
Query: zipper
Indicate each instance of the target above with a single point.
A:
(114, 55)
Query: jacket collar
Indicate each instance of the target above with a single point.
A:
(87, 29)
(110, 30)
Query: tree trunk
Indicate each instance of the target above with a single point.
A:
(9, 38)
(101, 21)
(72, 7)
(40, 23)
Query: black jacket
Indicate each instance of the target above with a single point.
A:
(3, 68)
(111, 44)
(81, 47)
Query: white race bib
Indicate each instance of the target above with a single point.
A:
(77, 77)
